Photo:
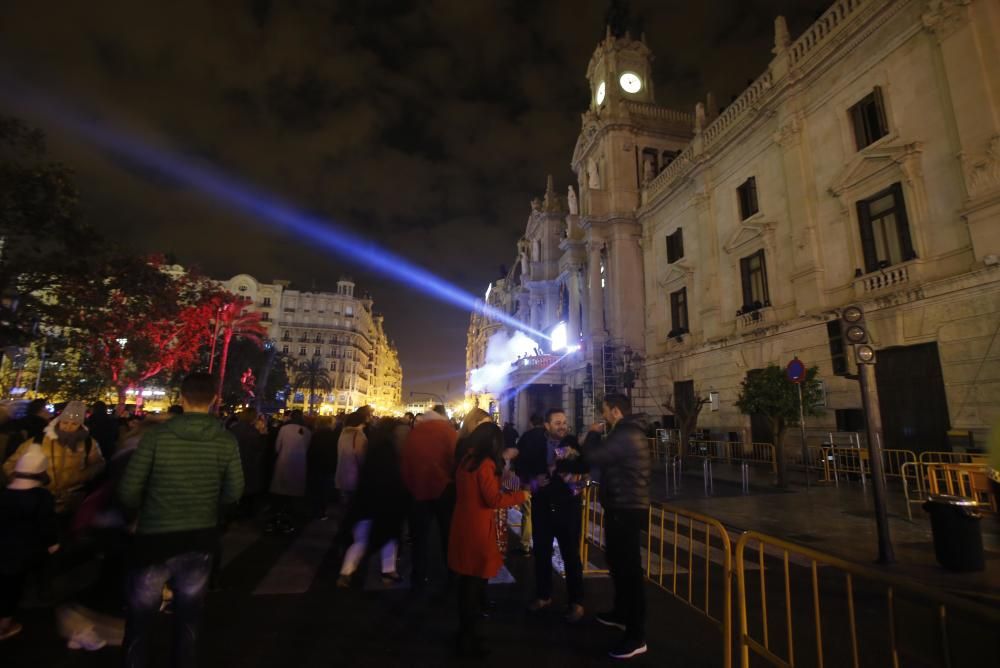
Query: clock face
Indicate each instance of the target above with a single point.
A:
(630, 82)
(600, 93)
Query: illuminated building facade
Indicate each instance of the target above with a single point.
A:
(862, 167)
(337, 330)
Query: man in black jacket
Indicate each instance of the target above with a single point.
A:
(624, 462)
(548, 462)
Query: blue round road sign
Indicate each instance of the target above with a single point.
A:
(795, 371)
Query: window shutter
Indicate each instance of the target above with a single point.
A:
(745, 275)
(880, 107)
(905, 241)
(867, 238)
(752, 194)
(763, 276)
(858, 121)
(680, 242)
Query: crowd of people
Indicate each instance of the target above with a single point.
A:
(154, 496)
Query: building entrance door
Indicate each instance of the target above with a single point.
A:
(543, 397)
(912, 398)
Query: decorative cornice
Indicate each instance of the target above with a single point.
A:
(747, 232)
(872, 161)
(944, 17)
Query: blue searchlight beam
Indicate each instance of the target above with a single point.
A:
(263, 206)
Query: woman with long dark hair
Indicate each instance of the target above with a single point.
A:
(474, 545)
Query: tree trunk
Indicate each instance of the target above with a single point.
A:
(312, 395)
(778, 429)
(122, 398)
(226, 338)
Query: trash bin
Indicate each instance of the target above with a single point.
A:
(958, 537)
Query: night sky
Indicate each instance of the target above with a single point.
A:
(425, 125)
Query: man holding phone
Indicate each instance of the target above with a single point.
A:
(623, 459)
(548, 465)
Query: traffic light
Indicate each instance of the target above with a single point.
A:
(852, 327)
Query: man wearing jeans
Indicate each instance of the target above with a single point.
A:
(624, 462)
(179, 477)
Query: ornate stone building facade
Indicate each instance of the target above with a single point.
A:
(340, 331)
(862, 167)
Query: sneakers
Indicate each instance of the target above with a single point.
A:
(10, 630)
(391, 578)
(628, 649)
(610, 619)
(87, 640)
(575, 613)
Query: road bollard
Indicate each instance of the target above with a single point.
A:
(706, 469)
(745, 476)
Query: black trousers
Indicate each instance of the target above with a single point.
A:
(11, 585)
(471, 592)
(561, 520)
(623, 529)
(422, 515)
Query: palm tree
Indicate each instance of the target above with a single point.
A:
(312, 375)
(234, 320)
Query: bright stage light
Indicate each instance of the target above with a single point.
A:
(559, 338)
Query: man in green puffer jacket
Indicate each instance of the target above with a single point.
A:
(178, 478)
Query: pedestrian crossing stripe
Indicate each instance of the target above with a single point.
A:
(296, 569)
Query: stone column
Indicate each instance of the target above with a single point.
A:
(573, 290)
(805, 259)
(627, 302)
(707, 276)
(595, 297)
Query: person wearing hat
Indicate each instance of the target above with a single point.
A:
(73, 456)
(27, 529)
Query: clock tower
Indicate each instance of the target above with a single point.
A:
(619, 70)
(625, 141)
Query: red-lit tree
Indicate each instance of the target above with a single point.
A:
(231, 319)
(136, 319)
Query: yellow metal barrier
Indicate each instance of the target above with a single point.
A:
(966, 480)
(687, 554)
(939, 457)
(679, 546)
(798, 564)
(593, 527)
(848, 461)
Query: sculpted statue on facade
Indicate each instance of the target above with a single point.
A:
(572, 201)
(593, 175)
(648, 170)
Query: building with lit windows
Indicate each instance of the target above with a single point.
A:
(861, 167)
(336, 330)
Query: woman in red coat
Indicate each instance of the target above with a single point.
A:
(473, 552)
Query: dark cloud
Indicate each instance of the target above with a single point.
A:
(427, 125)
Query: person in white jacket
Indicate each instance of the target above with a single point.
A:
(288, 485)
(351, 449)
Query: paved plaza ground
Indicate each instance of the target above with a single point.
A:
(279, 605)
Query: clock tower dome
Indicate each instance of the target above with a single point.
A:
(620, 70)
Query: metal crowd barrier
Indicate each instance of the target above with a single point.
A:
(855, 596)
(734, 451)
(939, 457)
(954, 473)
(854, 461)
(593, 527)
(685, 553)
